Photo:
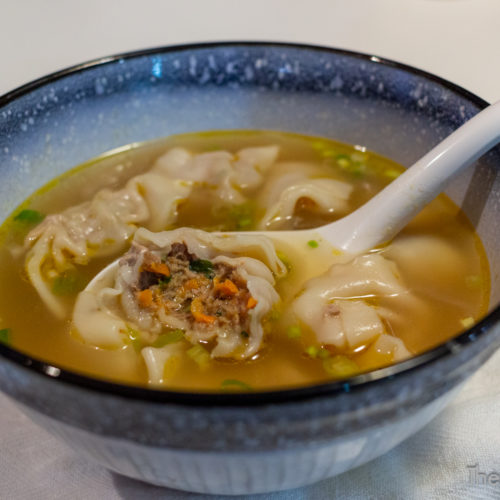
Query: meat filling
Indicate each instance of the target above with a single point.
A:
(202, 294)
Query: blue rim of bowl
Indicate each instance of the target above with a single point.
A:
(253, 398)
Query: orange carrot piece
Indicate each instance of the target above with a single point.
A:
(251, 302)
(159, 268)
(227, 288)
(198, 314)
(191, 284)
(145, 297)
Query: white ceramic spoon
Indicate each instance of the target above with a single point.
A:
(384, 215)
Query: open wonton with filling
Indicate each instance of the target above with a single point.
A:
(183, 288)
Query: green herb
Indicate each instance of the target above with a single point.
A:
(164, 281)
(244, 223)
(135, 339)
(284, 259)
(340, 366)
(312, 351)
(5, 335)
(313, 243)
(392, 173)
(294, 332)
(243, 215)
(218, 313)
(169, 338)
(68, 283)
(233, 384)
(244, 334)
(202, 266)
(29, 217)
(343, 161)
(199, 355)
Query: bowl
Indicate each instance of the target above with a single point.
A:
(252, 442)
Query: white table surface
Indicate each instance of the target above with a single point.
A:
(455, 39)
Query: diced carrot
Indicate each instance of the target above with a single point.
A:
(198, 314)
(227, 288)
(251, 302)
(192, 284)
(145, 297)
(159, 268)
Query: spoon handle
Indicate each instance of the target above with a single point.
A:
(382, 217)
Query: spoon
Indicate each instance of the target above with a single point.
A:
(384, 215)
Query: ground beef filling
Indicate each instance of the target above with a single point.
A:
(204, 294)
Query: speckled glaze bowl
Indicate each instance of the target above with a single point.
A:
(253, 442)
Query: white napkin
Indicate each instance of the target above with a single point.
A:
(455, 456)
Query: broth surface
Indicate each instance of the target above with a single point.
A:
(453, 297)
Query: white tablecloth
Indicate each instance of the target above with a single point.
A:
(456, 39)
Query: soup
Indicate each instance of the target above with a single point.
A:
(186, 309)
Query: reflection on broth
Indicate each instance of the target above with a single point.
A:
(187, 309)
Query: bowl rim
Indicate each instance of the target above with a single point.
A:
(254, 398)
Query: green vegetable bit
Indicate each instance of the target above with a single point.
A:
(170, 337)
(340, 366)
(312, 351)
(244, 334)
(285, 260)
(392, 173)
(68, 283)
(29, 217)
(243, 215)
(294, 332)
(5, 335)
(135, 339)
(164, 281)
(313, 243)
(202, 266)
(234, 384)
(199, 355)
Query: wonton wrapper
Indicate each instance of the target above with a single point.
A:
(292, 183)
(334, 305)
(104, 310)
(103, 225)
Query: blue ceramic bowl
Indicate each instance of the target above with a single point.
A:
(242, 443)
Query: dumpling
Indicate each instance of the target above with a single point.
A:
(228, 173)
(185, 280)
(103, 225)
(296, 186)
(340, 306)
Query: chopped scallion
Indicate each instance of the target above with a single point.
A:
(340, 366)
(135, 338)
(313, 243)
(169, 338)
(284, 259)
(5, 334)
(199, 355)
(68, 283)
(392, 173)
(234, 384)
(29, 217)
(312, 351)
(202, 266)
(294, 332)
